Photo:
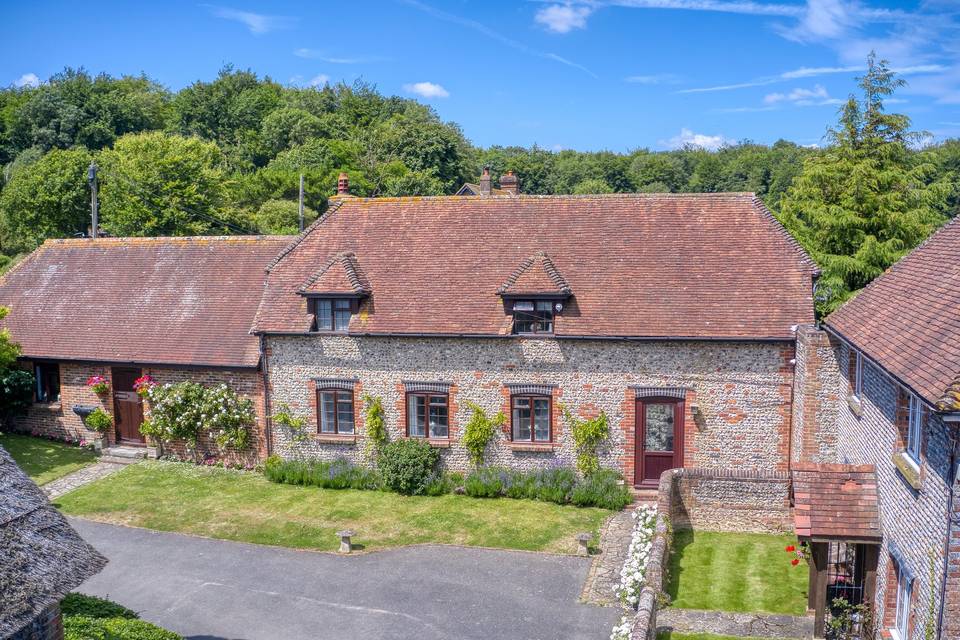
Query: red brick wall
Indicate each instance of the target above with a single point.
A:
(951, 612)
(57, 420)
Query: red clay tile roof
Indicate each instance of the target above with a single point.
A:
(535, 275)
(836, 501)
(950, 401)
(908, 319)
(639, 265)
(341, 275)
(145, 300)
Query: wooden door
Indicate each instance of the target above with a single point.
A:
(127, 407)
(659, 439)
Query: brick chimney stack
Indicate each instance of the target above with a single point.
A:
(343, 184)
(509, 183)
(486, 182)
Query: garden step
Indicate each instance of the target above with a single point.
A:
(123, 455)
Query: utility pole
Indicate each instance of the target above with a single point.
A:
(300, 207)
(94, 213)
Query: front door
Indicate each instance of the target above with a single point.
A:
(659, 433)
(127, 407)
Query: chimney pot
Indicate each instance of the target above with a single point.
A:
(509, 183)
(343, 184)
(486, 182)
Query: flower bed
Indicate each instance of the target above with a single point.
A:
(635, 567)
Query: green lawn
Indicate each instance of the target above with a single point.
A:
(45, 460)
(742, 572)
(677, 635)
(234, 505)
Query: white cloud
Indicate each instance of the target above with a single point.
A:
(319, 80)
(563, 18)
(797, 95)
(721, 6)
(27, 80)
(808, 72)
(657, 78)
(257, 23)
(427, 90)
(314, 54)
(686, 137)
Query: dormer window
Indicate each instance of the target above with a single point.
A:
(533, 316)
(333, 314)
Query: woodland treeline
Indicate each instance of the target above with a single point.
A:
(225, 156)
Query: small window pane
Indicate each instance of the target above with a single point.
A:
(324, 315)
(521, 418)
(416, 419)
(438, 417)
(328, 412)
(47, 382)
(541, 418)
(545, 305)
(523, 305)
(345, 412)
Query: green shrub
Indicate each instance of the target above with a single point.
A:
(487, 482)
(78, 604)
(408, 465)
(588, 435)
(99, 420)
(444, 483)
(555, 485)
(89, 618)
(184, 410)
(16, 392)
(338, 474)
(603, 489)
(374, 423)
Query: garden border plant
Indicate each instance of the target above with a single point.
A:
(588, 435)
(479, 431)
(375, 425)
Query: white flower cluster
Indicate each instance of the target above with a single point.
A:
(621, 631)
(635, 566)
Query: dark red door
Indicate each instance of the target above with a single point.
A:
(659, 438)
(127, 407)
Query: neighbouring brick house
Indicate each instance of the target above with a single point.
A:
(881, 387)
(672, 314)
(174, 308)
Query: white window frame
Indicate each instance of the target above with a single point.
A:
(857, 382)
(901, 621)
(913, 444)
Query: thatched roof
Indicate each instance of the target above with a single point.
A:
(41, 557)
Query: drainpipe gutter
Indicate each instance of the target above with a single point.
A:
(265, 372)
(951, 521)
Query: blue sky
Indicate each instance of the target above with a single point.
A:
(587, 75)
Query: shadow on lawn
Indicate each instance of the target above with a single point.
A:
(681, 540)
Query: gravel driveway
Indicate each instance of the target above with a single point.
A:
(213, 589)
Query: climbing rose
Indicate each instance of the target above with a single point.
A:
(795, 561)
(791, 548)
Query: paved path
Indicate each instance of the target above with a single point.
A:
(213, 590)
(78, 478)
(605, 571)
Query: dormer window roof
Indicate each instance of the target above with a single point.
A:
(536, 277)
(340, 277)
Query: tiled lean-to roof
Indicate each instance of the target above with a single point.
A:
(836, 501)
(145, 300)
(637, 265)
(908, 319)
(341, 275)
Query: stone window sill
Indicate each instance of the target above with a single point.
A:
(436, 443)
(47, 406)
(855, 404)
(334, 438)
(545, 447)
(908, 469)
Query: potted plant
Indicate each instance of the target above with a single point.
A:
(100, 421)
(99, 384)
(142, 385)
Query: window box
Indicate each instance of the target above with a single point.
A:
(334, 438)
(908, 468)
(855, 404)
(544, 447)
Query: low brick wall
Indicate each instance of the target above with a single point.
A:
(708, 500)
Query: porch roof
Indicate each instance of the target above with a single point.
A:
(836, 501)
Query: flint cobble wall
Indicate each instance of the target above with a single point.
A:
(742, 389)
(914, 522)
(57, 420)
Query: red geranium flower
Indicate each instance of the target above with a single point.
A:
(795, 561)
(791, 548)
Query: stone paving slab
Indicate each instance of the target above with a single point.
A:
(79, 478)
(748, 625)
(605, 570)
